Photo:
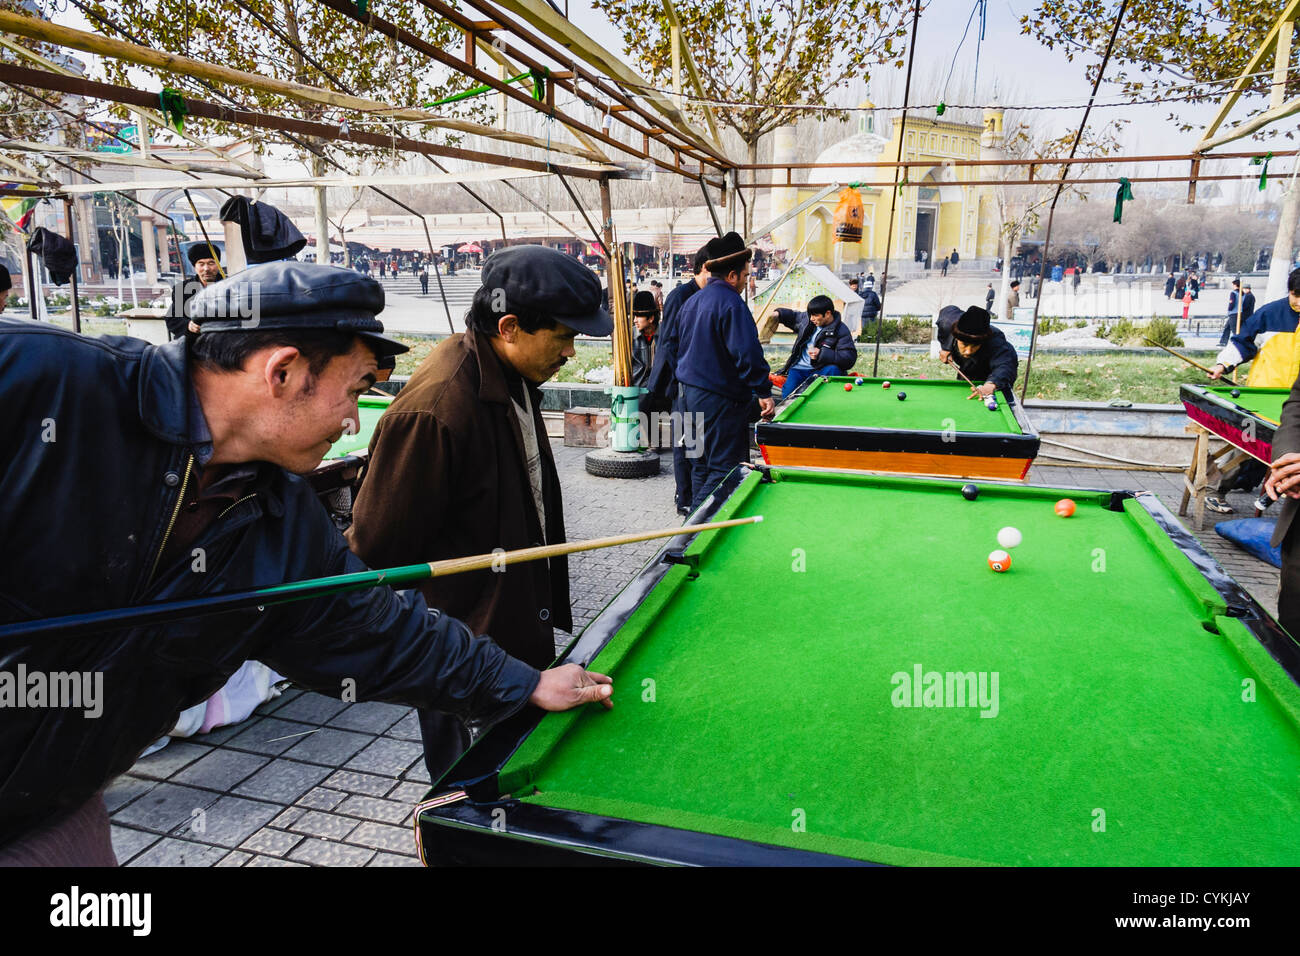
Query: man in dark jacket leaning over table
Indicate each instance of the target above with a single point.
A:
(978, 349)
(460, 464)
(139, 473)
(823, 343)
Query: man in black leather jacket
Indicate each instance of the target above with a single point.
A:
(137, 473)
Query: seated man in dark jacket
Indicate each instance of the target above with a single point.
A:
(139, 473)
(645, 316)
(823, 343)
(978, 349)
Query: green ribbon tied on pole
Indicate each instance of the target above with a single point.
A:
(173, 107)
(938, 110)
(538, 76)
(1124, 192)
(1263, 173)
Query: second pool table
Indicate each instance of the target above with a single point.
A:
(337, 477)
(850, 682)
(936, 430)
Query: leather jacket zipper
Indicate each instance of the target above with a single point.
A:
(236, 505)
(180, 499)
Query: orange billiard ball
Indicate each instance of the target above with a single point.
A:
(1065, 507)
(1000, 561)
(848, 388)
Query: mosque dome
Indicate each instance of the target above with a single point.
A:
(849, 155)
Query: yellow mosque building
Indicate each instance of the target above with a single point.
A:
(935, 213)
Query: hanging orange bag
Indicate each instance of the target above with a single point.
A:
(848, 216)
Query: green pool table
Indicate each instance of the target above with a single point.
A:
(849, 682)
(340, 471)
(936, 430)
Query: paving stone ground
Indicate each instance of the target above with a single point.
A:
(312, 781)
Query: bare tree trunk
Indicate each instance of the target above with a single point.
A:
(753, 193)
(322, 215)
(1280, 267)
(1004, 287)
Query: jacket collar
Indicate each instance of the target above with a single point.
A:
(164, 390)
(492, 385)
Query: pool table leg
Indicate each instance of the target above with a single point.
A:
(1194, 482)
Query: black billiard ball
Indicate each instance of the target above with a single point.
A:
(902, 396)
(970, 492)
(1236, 393)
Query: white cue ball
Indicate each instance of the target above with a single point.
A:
(1009, 537)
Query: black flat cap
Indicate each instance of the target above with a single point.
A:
(727, 252)
(295, 295)
(6, 281)
(973, 326)
(547, 282)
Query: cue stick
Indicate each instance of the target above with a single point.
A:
(94, 621)
(1222, 378)
(963, 375)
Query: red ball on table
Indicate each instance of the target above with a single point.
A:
(1065, 507)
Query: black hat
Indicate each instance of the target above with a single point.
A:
(6, 282)
(545, 281)
(202, 250)
(295, 295)
(820, 303)
(727, 252)
(973, 326)
(643, 303)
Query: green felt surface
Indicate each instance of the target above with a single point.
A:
(370, 408)
(930, 406)
(1265, 402)
(760, 695)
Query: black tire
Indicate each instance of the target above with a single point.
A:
(607, 464)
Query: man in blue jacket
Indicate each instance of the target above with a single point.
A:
(665, 391)
(823, 343)
(721, 366)
(137, 473)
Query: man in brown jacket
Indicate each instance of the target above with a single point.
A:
(460, 463)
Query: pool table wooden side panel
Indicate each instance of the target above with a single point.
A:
(1229, 421)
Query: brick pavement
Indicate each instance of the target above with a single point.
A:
(312, 781)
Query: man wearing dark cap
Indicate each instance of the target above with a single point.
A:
(665, 390)
(645, 317)
(721, 366)
(184, 469)
(823, 344)
(207, 270)
(460, 463)
(979, 350)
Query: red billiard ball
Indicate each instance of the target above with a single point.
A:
(1065, 507)
(884, 385)
(1000, 561)
(848, 388)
